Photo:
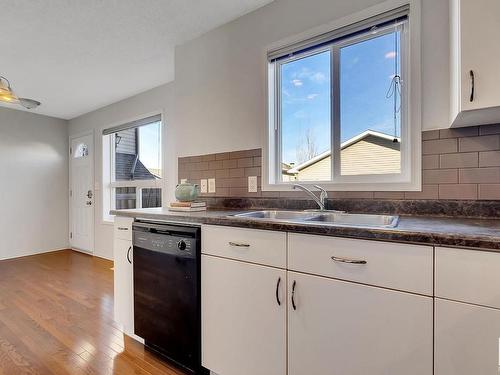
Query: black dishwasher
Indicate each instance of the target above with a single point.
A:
(167, 299)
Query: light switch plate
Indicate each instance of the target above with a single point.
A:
(204, 185)
(252, 184)
(211, 185)
(184, 180)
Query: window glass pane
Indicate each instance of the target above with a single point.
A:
(305, 100)
(81, 151)
(138, 153)
(150, 147)
(125, 198)
(151, 197)
(370, 116)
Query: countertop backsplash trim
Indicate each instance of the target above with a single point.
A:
(460, 174)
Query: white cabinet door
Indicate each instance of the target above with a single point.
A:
(243, 325)
(480, 47)
(343, 328)
(467, 339)
(124, 285)
(475, 50)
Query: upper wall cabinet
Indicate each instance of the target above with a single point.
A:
(475, 52)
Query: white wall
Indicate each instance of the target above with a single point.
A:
(220, 85)
(34, 177)
(220, 77)
(157, 99)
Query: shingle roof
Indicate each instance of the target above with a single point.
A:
(123, 168)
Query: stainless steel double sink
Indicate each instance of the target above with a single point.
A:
(325, 217)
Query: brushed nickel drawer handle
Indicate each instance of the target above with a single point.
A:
(239, 244)
(122, 228)
(347, 260)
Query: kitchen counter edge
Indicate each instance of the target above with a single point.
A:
(483, 234)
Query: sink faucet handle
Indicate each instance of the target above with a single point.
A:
(323, 195)
(319, 201)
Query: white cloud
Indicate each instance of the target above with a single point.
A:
(308, 74)
(390, 55)
(318, 77)
(297, 82)
(312, 96)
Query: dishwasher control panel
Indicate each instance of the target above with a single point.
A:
(165, 242)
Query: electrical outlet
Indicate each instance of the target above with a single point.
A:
(204, 185)
(211, 185)
(252, 184)
(184, 180)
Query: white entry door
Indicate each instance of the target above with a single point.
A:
(82, 193)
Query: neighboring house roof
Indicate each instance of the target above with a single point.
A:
(344, 145)
(127, 167)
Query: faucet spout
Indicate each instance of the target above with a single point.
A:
(319, 200)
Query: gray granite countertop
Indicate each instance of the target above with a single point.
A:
(460, 232)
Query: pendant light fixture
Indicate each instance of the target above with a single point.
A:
(7, 95)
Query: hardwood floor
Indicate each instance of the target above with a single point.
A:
(56, 317)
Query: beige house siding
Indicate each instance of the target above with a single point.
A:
(371, 155)
(319, 171)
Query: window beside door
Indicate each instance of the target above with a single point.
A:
(132, 165)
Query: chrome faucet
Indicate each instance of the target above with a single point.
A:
(322, 196)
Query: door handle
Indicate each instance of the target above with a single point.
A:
(90, 194)
(472, 79)
(128, 254)
(277, 291)
(293, 295)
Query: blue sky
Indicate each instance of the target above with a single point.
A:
(366, 72)
(149, 145)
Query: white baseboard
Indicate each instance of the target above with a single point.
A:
(24, 254)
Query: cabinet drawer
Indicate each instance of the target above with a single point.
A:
(250, 245)
(468, 276)
(123, 228)
(386, 264)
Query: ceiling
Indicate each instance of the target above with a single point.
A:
(79, 55)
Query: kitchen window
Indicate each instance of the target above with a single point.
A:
(339, 109)
(132, 165)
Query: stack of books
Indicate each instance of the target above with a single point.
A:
(187, 206)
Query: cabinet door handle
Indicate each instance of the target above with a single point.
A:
(471, 75)
(293, 295)
(277, 291)
(128, 254)
(350, 261)
(239, 244)
(122, 228)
